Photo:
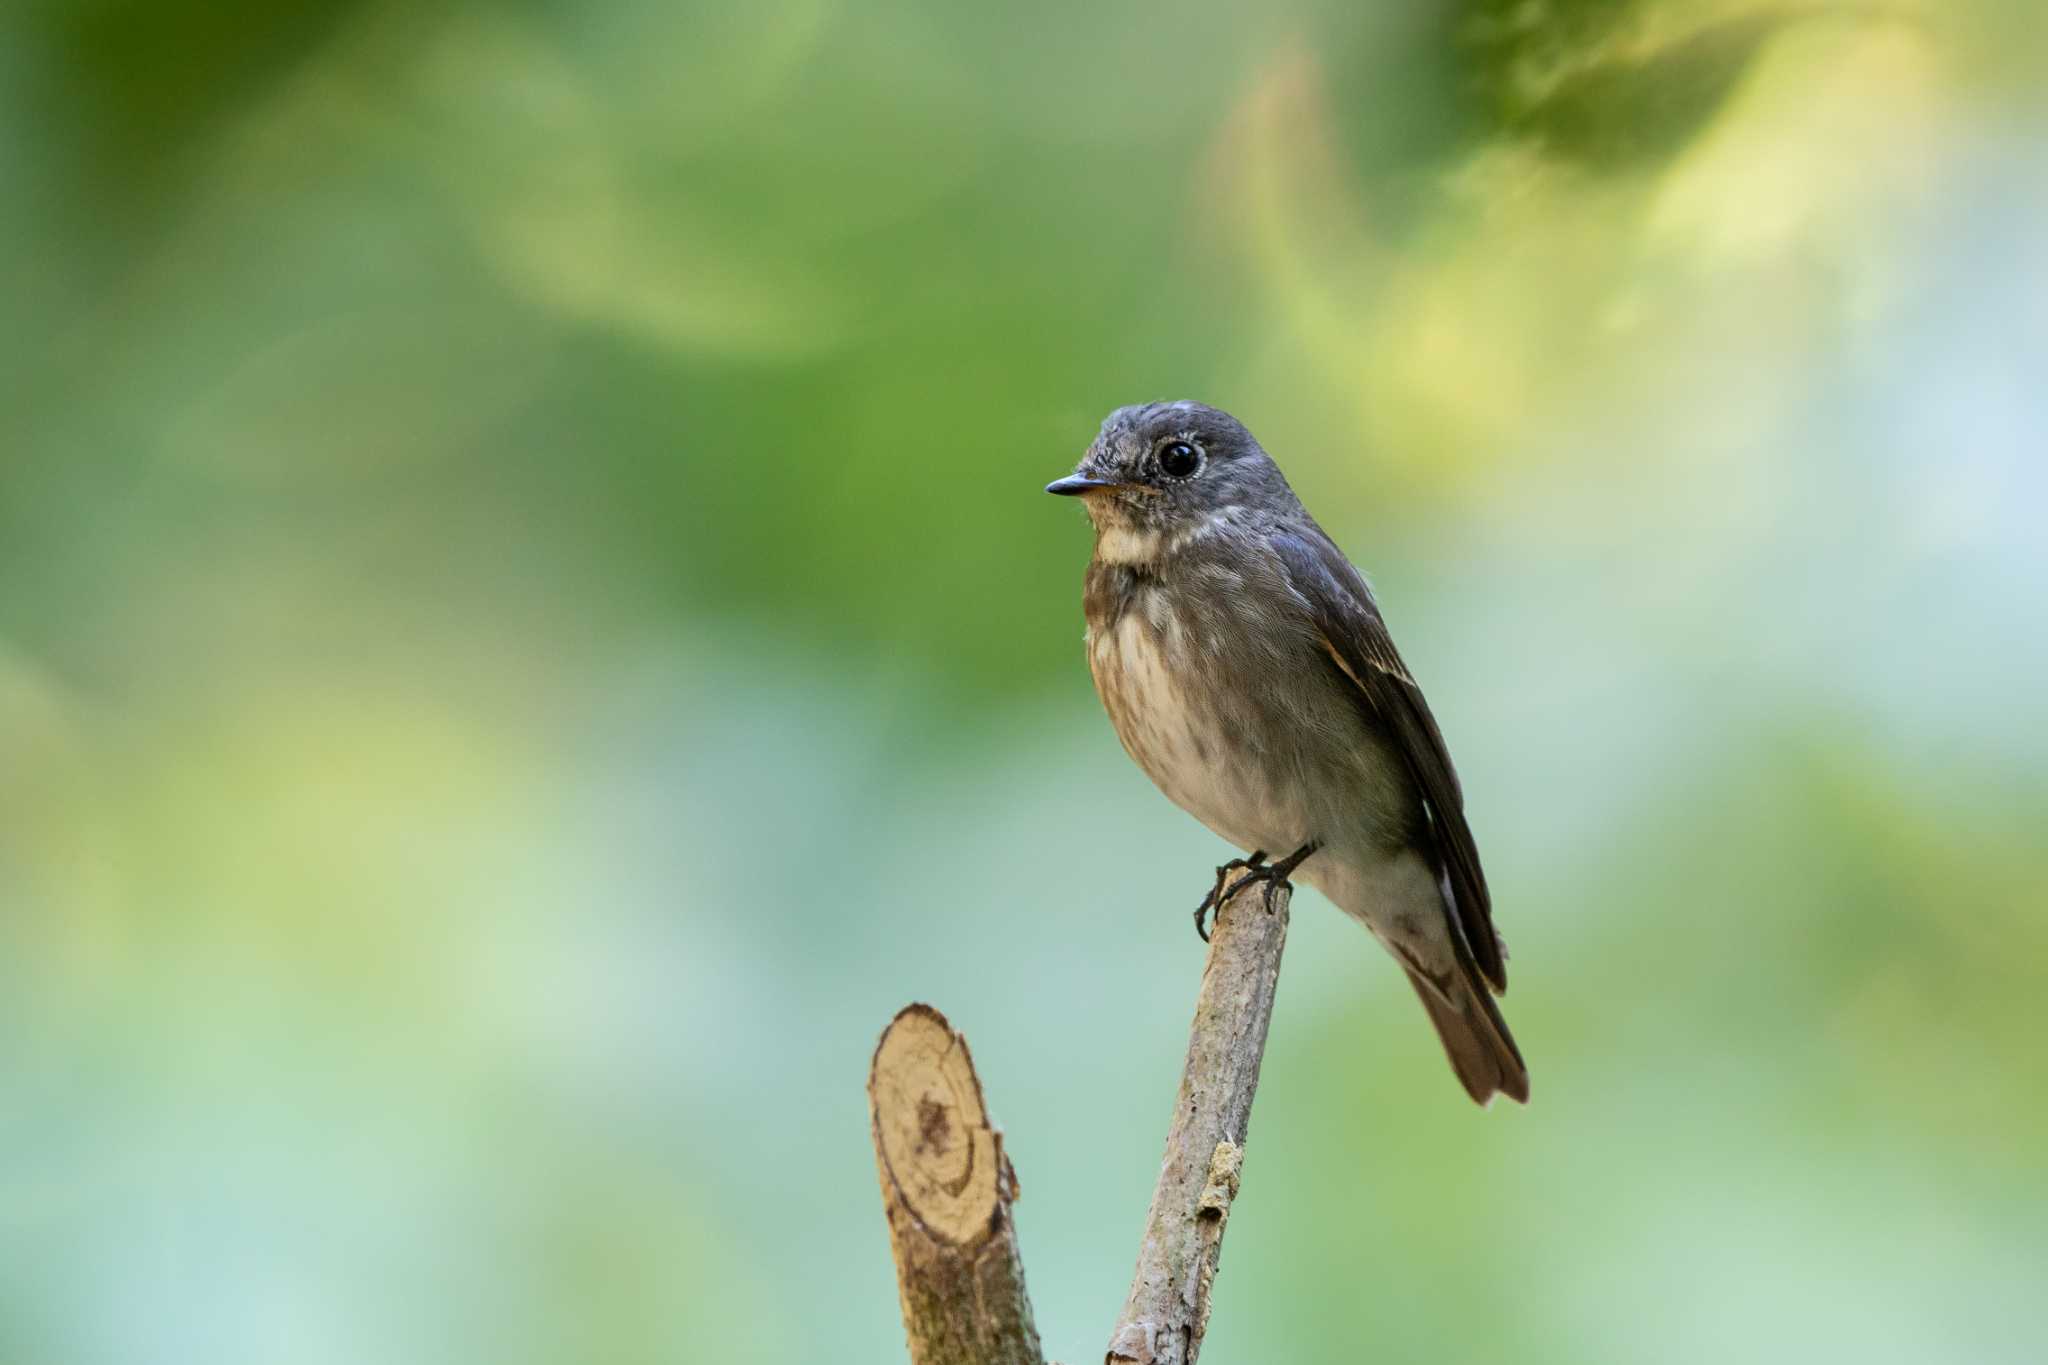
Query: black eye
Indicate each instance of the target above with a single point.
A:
(1178, 459)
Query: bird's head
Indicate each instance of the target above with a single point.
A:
(1161, 471)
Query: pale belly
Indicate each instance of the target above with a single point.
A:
(1194, 744)
(1272, 762)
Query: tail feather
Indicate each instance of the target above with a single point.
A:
(1475, 1037)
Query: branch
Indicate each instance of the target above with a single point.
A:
(947, 1190)
(1168, 1309)
(947, 1187)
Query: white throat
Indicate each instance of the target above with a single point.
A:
(1124, 544)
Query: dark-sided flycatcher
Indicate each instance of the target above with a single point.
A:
(1247, 669)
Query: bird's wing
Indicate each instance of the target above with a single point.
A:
(1349, 628)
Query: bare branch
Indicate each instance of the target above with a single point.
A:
(947, 1187)
(1168, 1310)
(947, 1190)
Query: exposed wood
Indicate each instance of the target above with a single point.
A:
(947, 1189)
(1167, 1313)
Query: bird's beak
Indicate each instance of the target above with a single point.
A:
(1074, 485)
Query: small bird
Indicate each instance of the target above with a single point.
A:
(1246, 668)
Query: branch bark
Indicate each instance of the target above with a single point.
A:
(947, 1190)
(1167, 1312)
(947, 1187)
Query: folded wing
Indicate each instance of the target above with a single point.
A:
(1350, 629)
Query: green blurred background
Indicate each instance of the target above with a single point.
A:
(528, 629)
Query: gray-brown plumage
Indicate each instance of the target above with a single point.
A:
(1247, 670)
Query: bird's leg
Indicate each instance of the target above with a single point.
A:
(1274, 875)
(1214, 900)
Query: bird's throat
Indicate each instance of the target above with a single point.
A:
(1123, 543)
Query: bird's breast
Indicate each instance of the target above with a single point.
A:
(1155, 669)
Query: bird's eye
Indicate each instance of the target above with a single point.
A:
(1178, 459)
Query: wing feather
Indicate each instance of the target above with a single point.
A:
(1351, 630)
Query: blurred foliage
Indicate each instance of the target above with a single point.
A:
(527, 630)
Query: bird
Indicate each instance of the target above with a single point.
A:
(1247, 669)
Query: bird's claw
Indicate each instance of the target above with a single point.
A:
(1217, 895)
(1256, 869)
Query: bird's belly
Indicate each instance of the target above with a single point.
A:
(1180, 728)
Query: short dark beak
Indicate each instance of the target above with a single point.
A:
(1074, 485)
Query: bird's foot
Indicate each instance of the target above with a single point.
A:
(1217, 895)
(1256, 869)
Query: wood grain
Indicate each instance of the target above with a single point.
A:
(947, 1190)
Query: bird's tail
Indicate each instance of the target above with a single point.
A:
(1475, 1037)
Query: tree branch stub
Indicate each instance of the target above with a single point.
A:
(947, 1188)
